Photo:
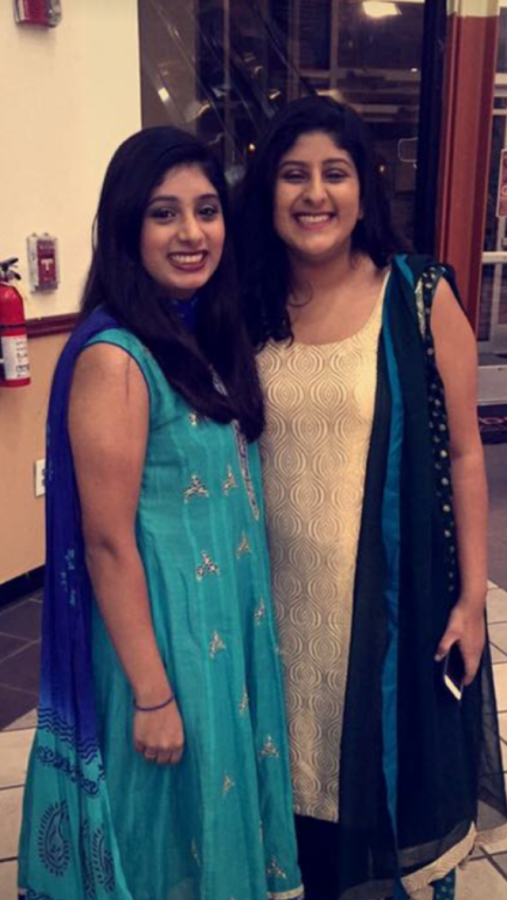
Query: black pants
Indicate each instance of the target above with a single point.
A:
(318, 859)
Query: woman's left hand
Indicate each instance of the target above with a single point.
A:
(467, 628)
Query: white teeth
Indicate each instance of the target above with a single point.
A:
(187, 258)
(308, 217)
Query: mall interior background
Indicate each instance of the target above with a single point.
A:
(219, 68)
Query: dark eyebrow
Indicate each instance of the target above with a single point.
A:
(299, 162)
(168, 198)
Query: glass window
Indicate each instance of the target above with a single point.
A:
(223, 67)
(492, 331)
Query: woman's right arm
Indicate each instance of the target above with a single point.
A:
(108, 424)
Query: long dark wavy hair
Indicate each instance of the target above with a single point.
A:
(118, 281)
(264, 261)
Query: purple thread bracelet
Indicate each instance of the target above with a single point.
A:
(172, 698)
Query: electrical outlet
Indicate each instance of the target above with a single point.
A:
(40, 477)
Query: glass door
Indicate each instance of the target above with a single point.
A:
(492, 334)
(222, 68)
(492, 328)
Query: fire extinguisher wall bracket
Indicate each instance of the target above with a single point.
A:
(14, 364)
(43, 262)
(45, 13)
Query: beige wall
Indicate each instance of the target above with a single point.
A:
(69, 96)
(22, 439)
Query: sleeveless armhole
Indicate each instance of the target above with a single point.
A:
(158, 389)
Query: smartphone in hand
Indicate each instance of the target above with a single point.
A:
(453, 672)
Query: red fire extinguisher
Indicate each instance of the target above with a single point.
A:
(14, 364)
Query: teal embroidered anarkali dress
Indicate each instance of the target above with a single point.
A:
(219, 825)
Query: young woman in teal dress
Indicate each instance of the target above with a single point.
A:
(375, 498)
(159, 769)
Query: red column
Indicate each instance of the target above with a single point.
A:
(471, 47)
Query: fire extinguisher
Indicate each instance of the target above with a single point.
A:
(14, 364)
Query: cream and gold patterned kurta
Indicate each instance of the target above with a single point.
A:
(319, 409)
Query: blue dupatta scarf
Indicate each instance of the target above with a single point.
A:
(71, 786)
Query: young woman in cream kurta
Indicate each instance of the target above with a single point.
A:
(369, 369)
(320, 405)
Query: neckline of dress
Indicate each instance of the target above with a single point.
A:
(350, 337)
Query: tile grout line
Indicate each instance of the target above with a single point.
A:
(36, 693)
(495, 865)
(12, 606)
(503, 652)
(20, 650)
(11, 787)
(20, 637)
(29, 642)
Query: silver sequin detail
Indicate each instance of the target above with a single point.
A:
(245, 470)
(260, 612)
(269, 749)
(274, 869)
(216, 645)
(195, 853)
(207, 567)
(243, 706)
(419, 303)
(230, 481)
(196, 489)
(227, 785)
(243, 546)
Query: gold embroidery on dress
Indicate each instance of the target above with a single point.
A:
(193, 418)
(274, 869)
(216, 645)
(227, 785)
(260, 612)
(207, 567)
(243, 547)
(230, 481)
(269, 749)
(196, 489)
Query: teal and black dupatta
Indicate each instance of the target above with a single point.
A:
(420, 774)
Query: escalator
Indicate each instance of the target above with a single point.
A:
(222, 68)
(218, 69)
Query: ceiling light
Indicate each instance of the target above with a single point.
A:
(380, 9)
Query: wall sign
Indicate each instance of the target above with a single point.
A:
(47, 13)
(42, 262)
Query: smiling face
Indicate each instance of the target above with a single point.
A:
(317, 201)
(183, 232)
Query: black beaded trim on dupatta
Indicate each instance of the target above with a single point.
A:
(438, 424)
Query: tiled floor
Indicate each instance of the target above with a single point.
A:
(483, 878)
(19, 659)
